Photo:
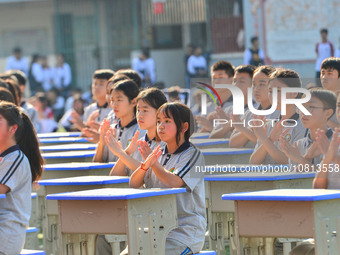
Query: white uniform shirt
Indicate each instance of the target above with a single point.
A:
(191, 204)
(103, 111)
(15, 209)
(14, 64)
(62, 76)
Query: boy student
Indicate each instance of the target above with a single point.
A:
(267, 149)
(99, 81)
(243, 80)
(330, 80)
(305, 151)
(243, 136)
(222, 72)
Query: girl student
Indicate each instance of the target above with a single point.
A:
(175, 167)
(148, 102)
(123, 100)
(20, 165)
(243, 136)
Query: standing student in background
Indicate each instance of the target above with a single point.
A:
(20, 165)
(62, 75)
(323, 49)
(197, 64)
(35, 75)
(17, 61)
(174, 167)
(254, 55)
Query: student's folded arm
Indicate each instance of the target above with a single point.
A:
(166, 177)
(3, 189)
(137, 178)
(239, 139)
(258, 156)
(274, 152)
(99, 155)
(124, 161)
(221, 132)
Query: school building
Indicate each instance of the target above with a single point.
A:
(108, 33)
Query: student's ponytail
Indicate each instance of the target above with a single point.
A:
(25, 137)
(29, 145)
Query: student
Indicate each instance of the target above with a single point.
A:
(91, 132)
(46, 120)
(243, 80)
(146, 68)
(133, 75)
(254, 55)
(78, 107)
(148, 102)
(174, 167)
(20, 165)
(99, 82)
(26, 106)
(197, 64)
(267, 149)
(305, 151)
(123, 100)
(62, 75)
(243, 136)
(35, 76)
(323, 49)
(222, 72)
(6, 95)
(330, 80)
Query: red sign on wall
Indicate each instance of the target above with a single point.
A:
(158, 7)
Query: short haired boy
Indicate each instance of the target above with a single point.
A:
(305, 150)
(243, 80)
(101, 107)
(330, 80)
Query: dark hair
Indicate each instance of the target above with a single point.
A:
(105, 74)
(20, 75)
(327, 97)
(253, 39)
(266, 69)
(225, 66)
(25, 137)
(116, 78)
(153, 97)
(180, 113)
(129, 88)
(146, 52)
(6, 95)
(17, 50)
(41, 96)
(11, 87)
(35, 58)
(287, 76)
(331, 64)
(133, 75)
(249, 69)
(324, 30)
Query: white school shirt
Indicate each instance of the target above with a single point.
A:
(195, 64)
(15, 209)
(305, 143)
(62, 76)
(191, 204)
(31, 113)
(136, 155)
(124, 135)
(145, 68)
(249, 116)
(14, 64)
(47, 77)
(323, 50)
(294, 134)
(103, 111)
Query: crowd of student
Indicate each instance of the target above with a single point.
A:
(148, 138)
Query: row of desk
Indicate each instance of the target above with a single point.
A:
(104, 204)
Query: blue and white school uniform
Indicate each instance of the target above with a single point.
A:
(191, 204)
(15, 209)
